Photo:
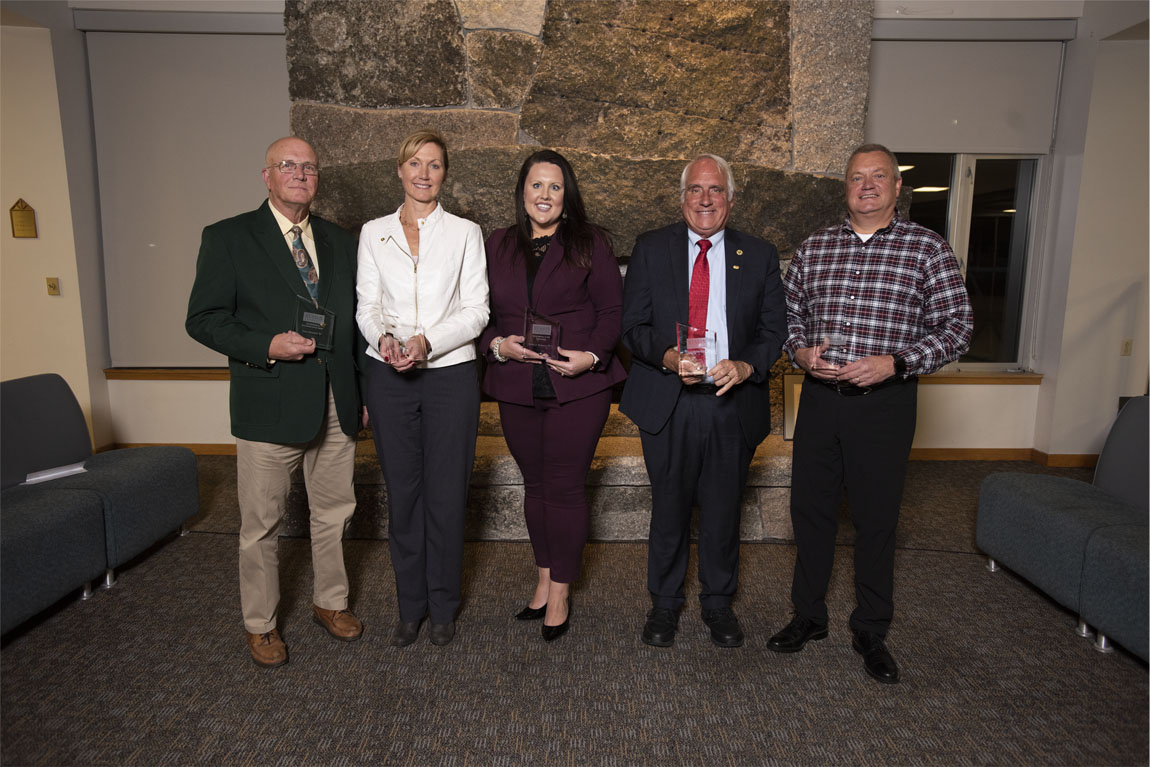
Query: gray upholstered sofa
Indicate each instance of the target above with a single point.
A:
(59, 535)
(1087, 546)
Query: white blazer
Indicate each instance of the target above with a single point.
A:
(445, 294)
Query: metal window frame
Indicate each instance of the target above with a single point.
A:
(1023, 277)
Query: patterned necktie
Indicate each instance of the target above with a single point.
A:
(700, 288)
(303, 263)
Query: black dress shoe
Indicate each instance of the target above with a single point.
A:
(405, 633)
(796, 634)
(441, 633)
(551, 633)
(530, 613)
(724, 626)
(660, 628)
(876, 658)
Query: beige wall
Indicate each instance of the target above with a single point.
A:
(1109, 273)
(952, 416)
(38, 333)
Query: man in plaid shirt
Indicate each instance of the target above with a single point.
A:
(872, 303)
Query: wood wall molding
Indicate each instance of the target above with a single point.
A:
(1058, 460)
(166, 374)
(962, 377)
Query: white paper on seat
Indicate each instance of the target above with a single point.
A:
(56, 473)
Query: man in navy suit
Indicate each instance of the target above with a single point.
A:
(700, 428)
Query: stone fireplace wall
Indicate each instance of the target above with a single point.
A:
(628, 90)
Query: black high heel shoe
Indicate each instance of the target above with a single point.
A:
(551, 633)
(530, 613)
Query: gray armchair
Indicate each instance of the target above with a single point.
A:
(58, 535)
(1084, 545)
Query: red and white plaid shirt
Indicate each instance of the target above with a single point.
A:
(898, 293)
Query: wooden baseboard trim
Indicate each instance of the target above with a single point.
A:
(1066, 460)
(982, 378)
(971, 454)
(200, 448)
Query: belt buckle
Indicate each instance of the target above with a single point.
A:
(850, 390)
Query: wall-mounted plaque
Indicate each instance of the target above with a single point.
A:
(23, 219)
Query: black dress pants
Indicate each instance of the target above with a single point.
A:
(699, 453)
(861, 443)
(424, 422)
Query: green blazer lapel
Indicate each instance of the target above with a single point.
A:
(326, 257)
(271, 239)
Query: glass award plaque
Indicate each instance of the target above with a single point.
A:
(696, 349)
(541, 334)
(828, 334)
(313, 321)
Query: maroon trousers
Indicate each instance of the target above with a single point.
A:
(553, 444)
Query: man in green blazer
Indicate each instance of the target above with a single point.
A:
(261, 278)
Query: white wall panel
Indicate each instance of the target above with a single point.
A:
(995, 97)
(182, 122)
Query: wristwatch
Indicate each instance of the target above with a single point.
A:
(899, 365)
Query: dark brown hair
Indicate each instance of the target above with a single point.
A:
(575, 232)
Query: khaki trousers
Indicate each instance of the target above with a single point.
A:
(263, 479)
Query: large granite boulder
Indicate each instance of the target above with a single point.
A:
(665, 79)
(626, 196)
(375, 53)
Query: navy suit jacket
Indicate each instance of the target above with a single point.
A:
(587, 304)
(655, 298)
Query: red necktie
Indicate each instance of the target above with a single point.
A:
(700, 288)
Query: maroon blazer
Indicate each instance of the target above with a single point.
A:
(587, 304)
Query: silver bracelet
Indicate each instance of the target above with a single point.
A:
(495, 350)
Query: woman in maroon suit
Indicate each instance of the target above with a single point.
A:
(556, 263)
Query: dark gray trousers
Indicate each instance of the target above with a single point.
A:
(700, 454)
(424, 422)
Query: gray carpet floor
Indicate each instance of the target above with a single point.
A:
(154, 670)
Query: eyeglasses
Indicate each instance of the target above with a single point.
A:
(290, 166)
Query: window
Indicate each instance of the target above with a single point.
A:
(981, 205)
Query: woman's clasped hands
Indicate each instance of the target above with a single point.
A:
(576, 362)
(403, 355)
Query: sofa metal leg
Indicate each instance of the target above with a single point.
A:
(87, 592)
(1083, 630)
(109, 578)
(183, 530)
(991, 565)
(1102, 643)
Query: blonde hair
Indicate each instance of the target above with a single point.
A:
(415, 142)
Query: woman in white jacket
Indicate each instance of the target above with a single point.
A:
(422, 286)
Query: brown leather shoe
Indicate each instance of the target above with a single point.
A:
(267, 649)
(341, 624)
